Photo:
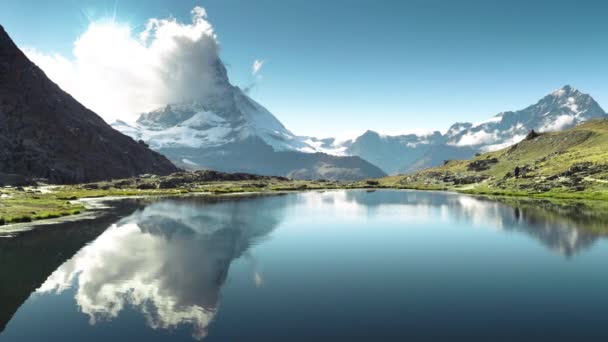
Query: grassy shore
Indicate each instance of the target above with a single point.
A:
(35, 203)
(572, 164)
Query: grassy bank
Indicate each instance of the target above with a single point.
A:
(36, 203)
(572, 164)
(21, 206)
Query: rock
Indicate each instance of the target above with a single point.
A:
(46, 133)
(532, 135)
(170, 183)
(482, 164)
(146, 186)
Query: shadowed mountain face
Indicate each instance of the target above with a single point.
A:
(562, 109)
(45, 133)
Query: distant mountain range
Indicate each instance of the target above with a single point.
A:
(237, 134)
(562, 109)
(230, 132)
(45, 133)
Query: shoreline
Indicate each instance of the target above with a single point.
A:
(96, 206)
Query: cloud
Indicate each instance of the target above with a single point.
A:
(477, 138)
(256, 66)
(119, 73)
(560, 123)
(167, 261)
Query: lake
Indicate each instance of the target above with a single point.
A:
(337, 265)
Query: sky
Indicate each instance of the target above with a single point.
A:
(340, 67)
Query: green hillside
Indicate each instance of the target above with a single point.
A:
(567, 164)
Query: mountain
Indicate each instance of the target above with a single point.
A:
(230, 132)
(45, 133)
(391, 153)
(562, 109)
(572, 164)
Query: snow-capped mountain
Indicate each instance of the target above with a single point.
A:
(231, 132)
(562, 109)
(200, 125)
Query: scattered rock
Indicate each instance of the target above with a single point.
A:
(146, 186)
(532, 135)
(482, 164)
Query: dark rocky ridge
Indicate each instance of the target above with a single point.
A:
(45, 133)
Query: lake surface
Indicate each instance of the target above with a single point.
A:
(336, 265)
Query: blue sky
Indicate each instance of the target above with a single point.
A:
(343, 66)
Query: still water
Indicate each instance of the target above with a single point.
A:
(336, 265)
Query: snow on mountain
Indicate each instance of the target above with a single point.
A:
(562, 109)
(200, 125)
(228, 131)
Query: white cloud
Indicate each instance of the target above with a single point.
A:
(560, 123)
(119, 73)
(167, 261)
(511, 141)
(256, 66)
(477, 138)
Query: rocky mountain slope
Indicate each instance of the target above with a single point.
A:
(569, 164)
(562, 109)
(231, 132)
(45, 133)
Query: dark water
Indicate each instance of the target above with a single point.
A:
(340, 265)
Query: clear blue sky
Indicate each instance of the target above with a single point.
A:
(352, 65)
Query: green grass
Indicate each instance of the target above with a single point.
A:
(546, 157)
(26, 207)
(30, 205)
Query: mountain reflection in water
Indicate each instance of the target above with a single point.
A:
(566, 227)
(169, 259)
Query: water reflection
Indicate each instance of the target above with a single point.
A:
(28, 258)
(565, 227)
(168, 261)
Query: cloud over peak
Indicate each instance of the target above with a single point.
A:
(119, 73)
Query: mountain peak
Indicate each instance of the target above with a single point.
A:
(566, 90)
